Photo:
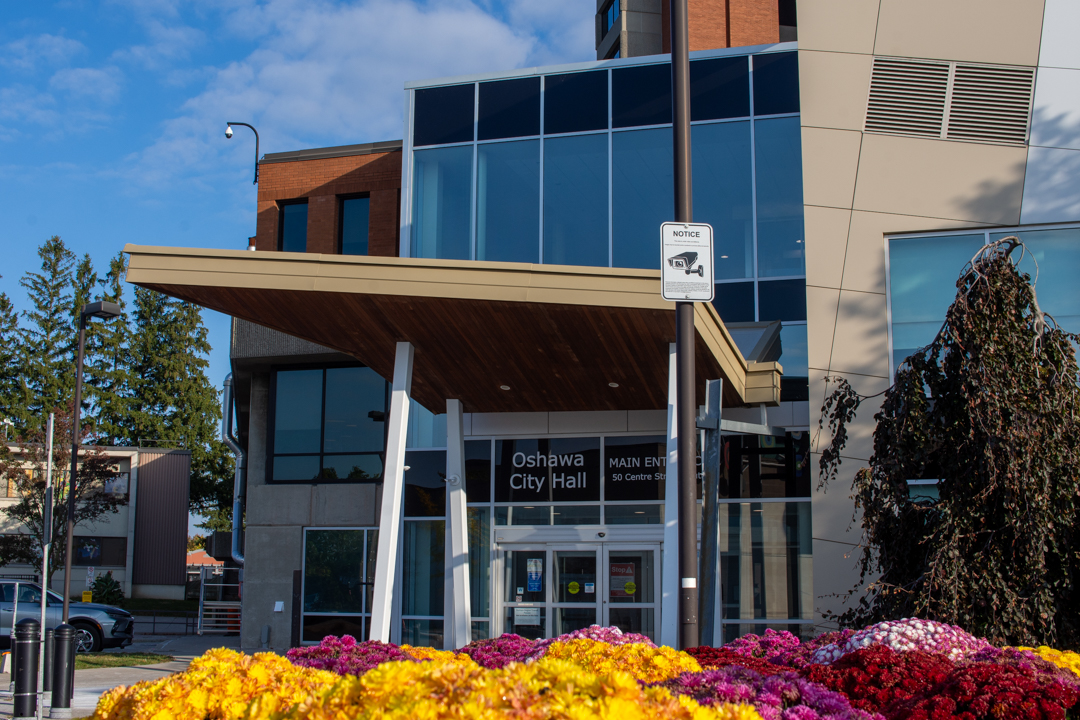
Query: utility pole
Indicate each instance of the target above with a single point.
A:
(684, 336)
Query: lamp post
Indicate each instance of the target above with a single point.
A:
(100, 309)
(229, 134)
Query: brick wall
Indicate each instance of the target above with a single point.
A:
(727, 23)
(322, 182)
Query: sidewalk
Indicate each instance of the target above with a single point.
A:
(90, 684)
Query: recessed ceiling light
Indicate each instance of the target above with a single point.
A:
(613, 384)
(639, 512)
(504, 387)
(723, 257)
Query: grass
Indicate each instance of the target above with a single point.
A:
(90, 661)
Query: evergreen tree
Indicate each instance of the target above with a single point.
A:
(12, 390)
(108, 375)
(47, 341)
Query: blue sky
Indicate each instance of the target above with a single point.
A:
(112, 113)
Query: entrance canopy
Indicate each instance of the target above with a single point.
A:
(560, 338)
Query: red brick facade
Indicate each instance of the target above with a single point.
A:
(727, 23)
(323, 182)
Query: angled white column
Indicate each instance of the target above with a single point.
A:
(386, 561)
(458, 621)
(669, 598)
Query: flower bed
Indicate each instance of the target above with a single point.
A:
(890, 671)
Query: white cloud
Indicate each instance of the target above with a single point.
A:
(36, 52)
(327, 75)
(102, 85)
(168, 44)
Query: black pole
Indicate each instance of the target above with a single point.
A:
(684, 337)
(69, 542)
(63, 670)
(256, 181)
(47, 661)
(27, 637)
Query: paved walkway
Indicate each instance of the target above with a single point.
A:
(90, 684)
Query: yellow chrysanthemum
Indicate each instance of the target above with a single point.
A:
(644, 663)
(1062, 658)
(440, 657)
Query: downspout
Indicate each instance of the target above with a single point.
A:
(229, 439)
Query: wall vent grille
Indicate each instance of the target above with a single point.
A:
(951, 101)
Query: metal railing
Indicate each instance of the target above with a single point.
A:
(216, 613)
(167, 622)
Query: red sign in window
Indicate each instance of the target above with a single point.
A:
(621, 579)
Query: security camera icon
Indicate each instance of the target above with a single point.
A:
(685, 262)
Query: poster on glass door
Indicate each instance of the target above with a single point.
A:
(621, 576)
(535, 569)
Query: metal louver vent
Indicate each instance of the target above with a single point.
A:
(907, 97)
(951, 101)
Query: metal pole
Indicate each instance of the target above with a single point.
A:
(27, 635)
(69, 543)
(46, 540)
(63, 671)
(710, 522)
(684, 336)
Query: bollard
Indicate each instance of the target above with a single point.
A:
(47, 662)
(63, 671)
(27, 637)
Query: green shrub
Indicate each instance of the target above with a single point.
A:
(106, 590)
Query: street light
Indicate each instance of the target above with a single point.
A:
(229, 134)
(99, 309)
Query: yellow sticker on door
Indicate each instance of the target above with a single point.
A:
(630, 588)
(573, 587)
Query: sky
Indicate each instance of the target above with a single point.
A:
(112, 113)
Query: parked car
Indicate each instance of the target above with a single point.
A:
(96, 626)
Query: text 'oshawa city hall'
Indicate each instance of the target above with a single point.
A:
(452, 365)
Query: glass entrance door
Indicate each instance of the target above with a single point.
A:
(548, 590)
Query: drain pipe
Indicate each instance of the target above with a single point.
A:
(229, 439)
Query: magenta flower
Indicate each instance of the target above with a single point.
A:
(609, 635)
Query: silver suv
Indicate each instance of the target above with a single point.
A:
(96, 626)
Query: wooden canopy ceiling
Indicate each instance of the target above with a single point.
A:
(557, 336)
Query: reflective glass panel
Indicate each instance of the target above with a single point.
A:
(735, 630)
(526, 576)
(422, 633)
(509, 108)
(576, 200)
(508, 201)
(631, 576)
(372, 553)
(333, 571)
(575, 102)
(423, 568)
(355, 213)
(569, 619)
(481, 630)
(633, 620)
(720, 88)
(776, 83)
(528, 622)
(530, 515)
(641, 95)
(316, 627)
(575, 573)
(443, 115)
(1052, 259)
(782, 300)
(735, 301)
(765, 466)
(779, 197)
(766, 560)
(480, 560)
(548, 469)
(358, 468)
(425, 485)
(922, 285)
(642, 195)
(351, 394)
(478, 470)
(723, 194)
(298, 411)
(441, 198)
(576, 514)
(793, 384)
(426, 429)
(296, 467)
(633, 514)
(294, 227)
(634, 468)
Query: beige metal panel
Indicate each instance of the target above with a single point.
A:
(821, 305)
(941, 179)
(587, 422)
(833, 88)
(837, 25)
(763, 384)
(1005, 32)
(826, 244)
(161, 517)
(830, 164)
(646, 421)
(860, 344)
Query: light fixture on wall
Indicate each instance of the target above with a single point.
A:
(504, 387)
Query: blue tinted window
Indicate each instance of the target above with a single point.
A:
(508, 201)
(351, 393)
(575, 102)
(354, 226)
(641, 95)
(576, 200)
(441, 217)
(735, 301)
(425, 484)
(298, 411)
(424, 575)
(1052, 258)
(642, 195)
(443, 115)
(720, 88)
(723, 194)
(782, 300)
(779, 197)
(793, 359)
(776, 83)
(922, 285)
(509, 108)
(294, 227)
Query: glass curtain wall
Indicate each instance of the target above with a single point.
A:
(339, 574)
(575, 169)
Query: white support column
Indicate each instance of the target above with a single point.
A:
(669, 597)
(458, 622)
(393, 482)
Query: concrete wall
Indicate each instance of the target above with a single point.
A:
(860, 186)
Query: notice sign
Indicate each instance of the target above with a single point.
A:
(686, 261)
(526, 616)
(621, 579)
(535, 569)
